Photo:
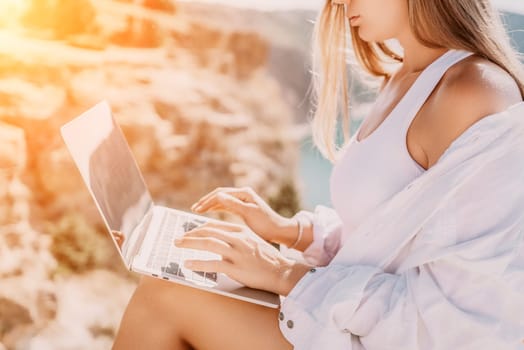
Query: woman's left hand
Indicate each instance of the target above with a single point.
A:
(256, 264)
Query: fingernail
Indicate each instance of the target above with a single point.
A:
(188, 264)
(178, 241)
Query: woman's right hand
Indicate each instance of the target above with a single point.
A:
(257, 214)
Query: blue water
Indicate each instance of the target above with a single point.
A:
(314, 171)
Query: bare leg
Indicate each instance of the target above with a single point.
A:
(165, 315)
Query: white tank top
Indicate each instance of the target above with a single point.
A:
(371, 171)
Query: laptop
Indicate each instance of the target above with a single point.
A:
(142, 232)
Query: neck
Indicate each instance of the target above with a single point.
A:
(417, 56)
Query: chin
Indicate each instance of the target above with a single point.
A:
(370, 36)
(365, 36)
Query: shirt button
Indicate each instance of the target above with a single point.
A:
(345, 330)
(289, 324)
(313, 270)
(281, 316)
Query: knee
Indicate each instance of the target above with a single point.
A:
(153, 300)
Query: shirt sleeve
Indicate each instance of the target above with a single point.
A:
(465, 293)
(327, 231)
(433, 306)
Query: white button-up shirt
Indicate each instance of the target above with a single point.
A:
(440, 265)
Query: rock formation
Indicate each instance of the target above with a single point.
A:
(199, 109)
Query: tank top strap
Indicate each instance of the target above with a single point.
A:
(426, 83)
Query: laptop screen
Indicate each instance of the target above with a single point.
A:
(109, 170)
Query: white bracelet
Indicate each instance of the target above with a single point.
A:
(300, 232)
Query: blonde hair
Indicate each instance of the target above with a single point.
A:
(472, 25)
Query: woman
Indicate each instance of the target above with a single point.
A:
(423, 249)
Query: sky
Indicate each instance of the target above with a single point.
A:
(512, 5)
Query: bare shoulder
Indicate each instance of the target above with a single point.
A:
(470, 90)
(477, 87)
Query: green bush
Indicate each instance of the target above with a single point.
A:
(286, 201)
(77, 245)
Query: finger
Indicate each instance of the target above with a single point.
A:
(231, 202)
(119, 240)
(220, 225)
(242, 195)
(210, 195)
(218, 207)
(209, 244)
(227, 237)
(117, 233)
(220, 266)
(119, 236)
(215, 206)
(207, 205)
(212, 202)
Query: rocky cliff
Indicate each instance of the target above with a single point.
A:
(200, 109)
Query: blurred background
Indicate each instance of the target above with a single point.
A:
(208, 93)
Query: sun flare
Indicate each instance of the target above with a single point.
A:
(10, 9)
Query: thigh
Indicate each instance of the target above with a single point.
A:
(206, 321)
(147, 322)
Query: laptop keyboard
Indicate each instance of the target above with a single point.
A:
(169, 259)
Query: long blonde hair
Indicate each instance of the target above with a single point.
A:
(472, 25)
